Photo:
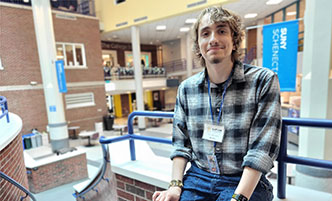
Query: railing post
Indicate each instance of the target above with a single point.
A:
(281, 177)
(132, 149)
(130, 132)
(6, 108)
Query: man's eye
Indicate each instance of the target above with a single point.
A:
(204, 34)
(222, 31)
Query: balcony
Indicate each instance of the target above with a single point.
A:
(85, 7)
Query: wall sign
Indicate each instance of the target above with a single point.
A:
(60, 72)
(280, 43)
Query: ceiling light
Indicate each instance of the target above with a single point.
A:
(115, 36)
(250, 15)
(190, 21)
(273, 2)
(184, 29)
(291, 13)
(151, 43)
(161, 28)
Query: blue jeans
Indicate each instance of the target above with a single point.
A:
(205, 186)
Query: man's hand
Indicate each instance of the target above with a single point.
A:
(172, 194)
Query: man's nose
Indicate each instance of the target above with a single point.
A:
(213, 39)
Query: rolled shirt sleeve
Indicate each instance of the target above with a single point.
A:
(264, 137)
(181, 141)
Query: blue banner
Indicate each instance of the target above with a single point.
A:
(60, 72)
(280, 43)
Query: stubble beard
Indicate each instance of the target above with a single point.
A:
(216, 61)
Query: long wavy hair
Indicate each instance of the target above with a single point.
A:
(219, 14)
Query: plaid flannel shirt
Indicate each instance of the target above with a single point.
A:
(251, 114)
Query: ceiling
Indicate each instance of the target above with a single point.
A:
(149, 34)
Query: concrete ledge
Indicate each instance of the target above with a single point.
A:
(8, 131)
(147, 168)
(156, 171)
(43, 155)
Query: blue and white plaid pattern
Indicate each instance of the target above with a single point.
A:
(251, 114)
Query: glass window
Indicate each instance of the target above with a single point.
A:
(79, 57)
(72, 54)
(59, 52)
(268, 20)
(291, 12)
(119, 1)
(302, 8)
(278, 16)
(69, 55)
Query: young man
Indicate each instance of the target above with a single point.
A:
(227, 120)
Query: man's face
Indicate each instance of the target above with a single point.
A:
(215, 40)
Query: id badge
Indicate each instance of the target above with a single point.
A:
(214, 132)
(213, 164)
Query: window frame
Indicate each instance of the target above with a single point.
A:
(73, 45)
(117, 3)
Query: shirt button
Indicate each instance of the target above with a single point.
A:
(218, 109)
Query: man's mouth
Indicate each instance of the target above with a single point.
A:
(216, 48)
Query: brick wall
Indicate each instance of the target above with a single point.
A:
(12, 164)
(18, 47)
(19, 56)
(30, 106)
(86, 117)
(86, 31)
(57, 173)
(134, 190)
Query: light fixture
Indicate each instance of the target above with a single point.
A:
(250, 15)
(190, 20)
(115, 37)
(291, 13)
(273, 2)
(184, 29)
(161, 27)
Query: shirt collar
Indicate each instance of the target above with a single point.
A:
(238, 75)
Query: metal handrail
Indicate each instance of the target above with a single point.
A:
(94, 182)
(131, 136)
(4, 108)
(284, 158)
(19, 186)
